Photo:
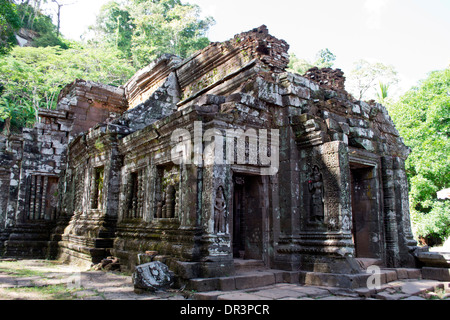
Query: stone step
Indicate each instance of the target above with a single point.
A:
(364, 263)
(244, 280)
(260, 278)
(352, 281)
(241, 265)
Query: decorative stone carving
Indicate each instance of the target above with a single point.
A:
(169, 206)
(152, 276)
(159, 206)
(220, 212)
(315, 186)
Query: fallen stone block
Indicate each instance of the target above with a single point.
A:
(152, 276)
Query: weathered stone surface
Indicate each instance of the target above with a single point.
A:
(152, 276)
(220, 156)
(441, 274)
(435, 259)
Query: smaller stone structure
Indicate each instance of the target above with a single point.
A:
(32, 164)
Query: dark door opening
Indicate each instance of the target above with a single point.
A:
(238, 218)
(247, 218)
(364, 212)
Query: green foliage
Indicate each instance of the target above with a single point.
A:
(33, 19)
(32, 78)
(422, 117)
(383, 93)
(298, 65)
(9, 23)
(115, 27)
(324, 59)
(145, 29)
(434, 223)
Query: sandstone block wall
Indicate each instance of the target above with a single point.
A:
(35, 159)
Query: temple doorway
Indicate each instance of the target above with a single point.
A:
(248, 222)
(365, 211)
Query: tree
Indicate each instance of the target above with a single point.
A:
(28, 11)
(363, 79)
(146, 29)
(298, 65)
(324, 59)
(32, 78)
(59, 5)
(114, 27)
(422, 117)
(383, 93)
(33, 19)
(9, 24)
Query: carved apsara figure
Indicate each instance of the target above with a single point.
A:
(315, 187)
(220, 211)
(159, 206)
(170, 201)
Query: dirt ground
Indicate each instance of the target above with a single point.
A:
(51, 280)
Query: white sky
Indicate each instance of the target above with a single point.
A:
(411, 35)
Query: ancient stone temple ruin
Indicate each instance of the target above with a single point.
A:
(207, 160)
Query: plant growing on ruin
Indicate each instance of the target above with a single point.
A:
(9, 23)
(324, 59)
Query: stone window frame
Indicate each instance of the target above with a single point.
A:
(135, 187)
(158, 190)
(97, 188)
(135, 194)
(35, 200)
(78, 186)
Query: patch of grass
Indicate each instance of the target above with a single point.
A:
(22, 272)
(55, 292)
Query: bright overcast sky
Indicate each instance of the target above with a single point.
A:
(411, 35)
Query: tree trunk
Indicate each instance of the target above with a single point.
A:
(6, 128)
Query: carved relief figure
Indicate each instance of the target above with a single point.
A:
(315, 186)
(159, 206)
(170, 201)
(220, 212)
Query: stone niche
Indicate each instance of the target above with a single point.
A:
(167, 185)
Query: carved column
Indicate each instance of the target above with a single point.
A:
(390, 220)
(407, 244)
(325, 242)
